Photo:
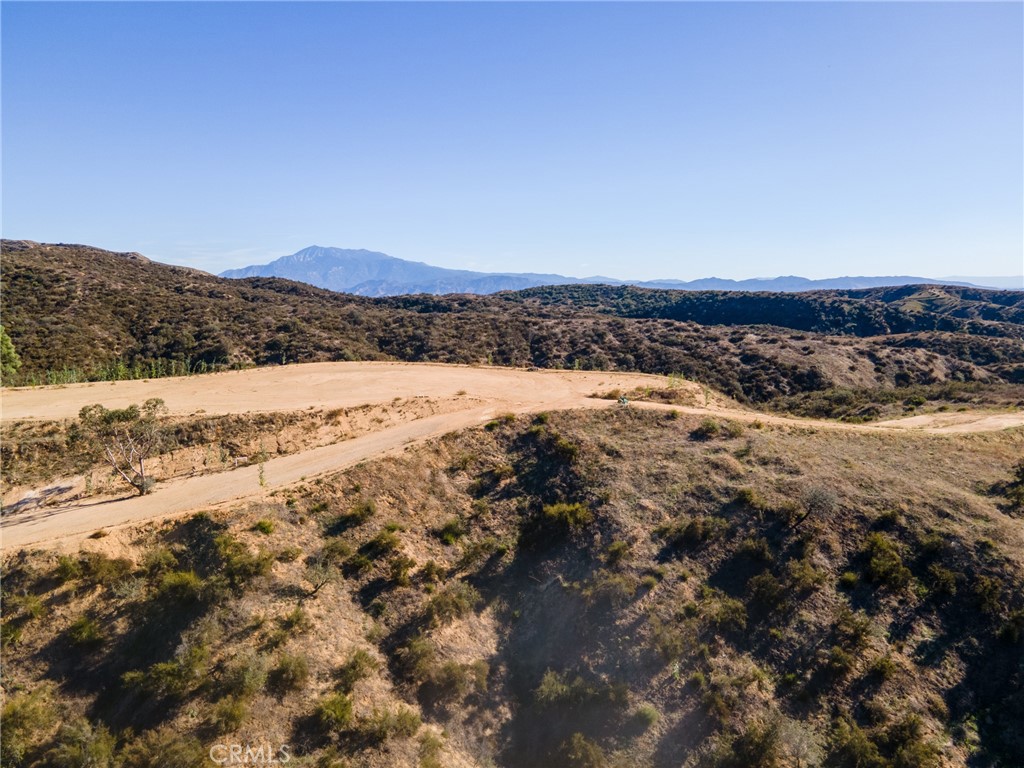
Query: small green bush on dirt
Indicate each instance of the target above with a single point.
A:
(359, 666)
(25, 716)
(245, 676)
(85, 632)
(385, 724)
(334, 712)
(180, 587)
(290, 674)
(579, 752)
(264, 526)
(567, 517)
(706, 430)
(163, 748)
(884, 564)
(451, 531)
(452, 602)
(356, 516)
(79, 744)
(229, 714)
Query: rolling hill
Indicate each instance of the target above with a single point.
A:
(78, 313)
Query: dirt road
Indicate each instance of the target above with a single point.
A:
(486, 392)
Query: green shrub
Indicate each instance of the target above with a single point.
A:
(477, 551)
(85, 633)
(1015, 488)
(173, 678)
(803, 576)
(452, 681)
(852, 628)
(79, 744)
(239, 565)
(453, 602)
(288, 554)
(432, 573)
(356, 565)
(334, 712)
(766, 591)
(707, 429)
(245, 676)
(756, 548)
(451, 531)
(180, 587)
(504, 419)
(356, 516)
(68, 569)
(732, 429)
(646, 715)
(694, 531)
(758, 745)
(381, 545)
(164, 747)
(104, 570)
(29, 605)
(297, 621)
(839, 662)
(616, 552)
(290, 674)
(264, 526)
(557, 691)
(610, 589)
(567, 517)
(988, 593)
(229, 714)
(884, 564)
(417, 659)
(905, 740)
(552, 691)
(360, 665)
(748, 497)
(1013, 628)
(728, 614)
(580, 752)
(850, 747)
(941, 582)
(158, 560)
(335, 550)
(671, 640)
(848, 580)
(387, 724)
(883, 667)
(25, 716)
(430, 751)
(399, 570)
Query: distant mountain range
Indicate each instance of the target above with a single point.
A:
(369, 273)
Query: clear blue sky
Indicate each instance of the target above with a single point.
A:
(633, 140)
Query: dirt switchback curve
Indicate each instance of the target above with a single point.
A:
(485, 391)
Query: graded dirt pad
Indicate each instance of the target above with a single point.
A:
(323, 385)
(485, 393)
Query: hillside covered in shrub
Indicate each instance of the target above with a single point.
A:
(77, 313)
(612, 588)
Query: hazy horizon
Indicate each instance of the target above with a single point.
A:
(635, 141)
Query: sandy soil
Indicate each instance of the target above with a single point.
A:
(483, 391)
(323, 385)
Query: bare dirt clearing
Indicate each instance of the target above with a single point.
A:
(472, 395)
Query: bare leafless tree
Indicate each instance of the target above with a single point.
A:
(125, 437)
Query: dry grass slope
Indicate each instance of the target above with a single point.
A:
(574, 589)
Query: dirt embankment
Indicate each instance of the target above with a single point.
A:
(459, 397)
